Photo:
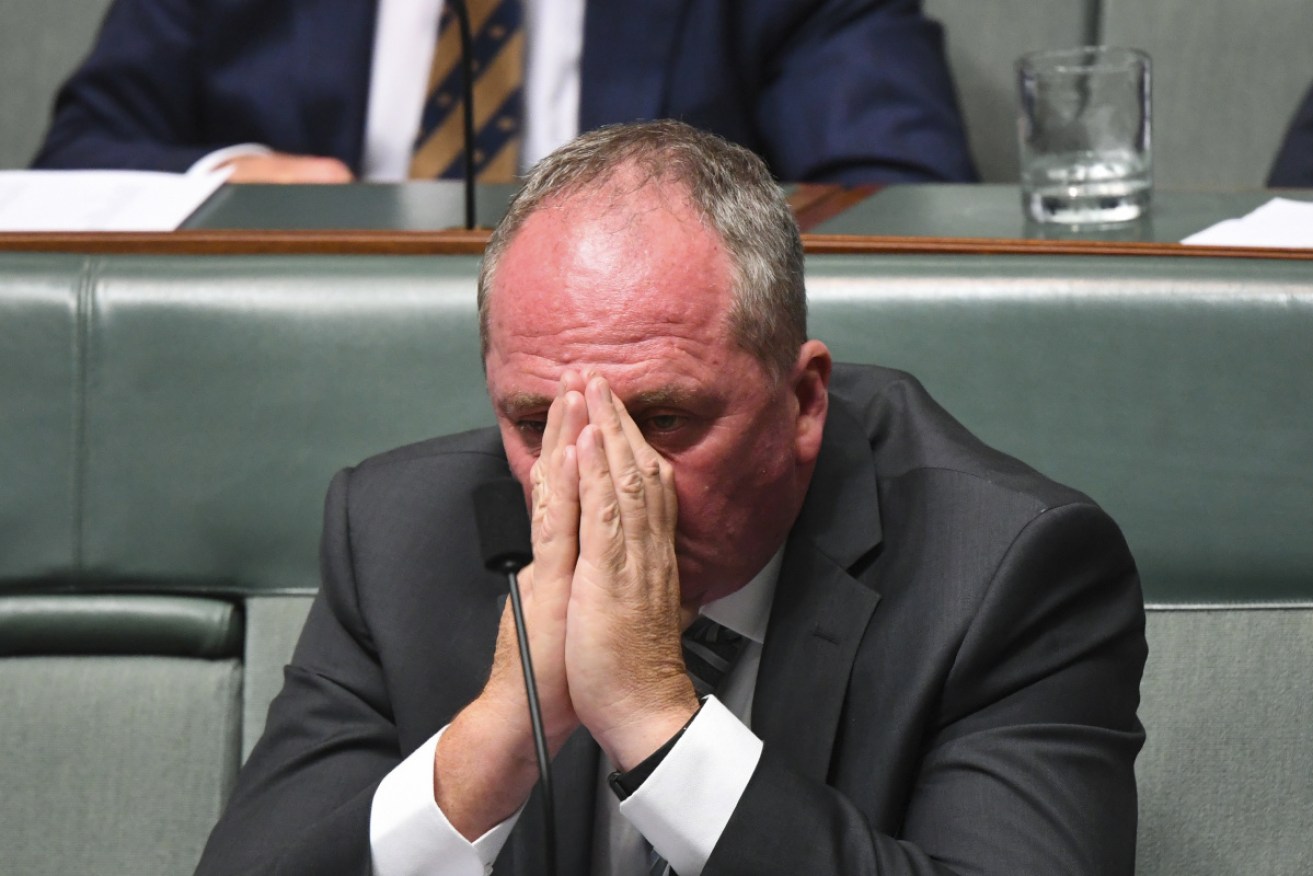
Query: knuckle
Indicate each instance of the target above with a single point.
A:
(667, 473)
(651, 465)
(630, 483)
(608, 514)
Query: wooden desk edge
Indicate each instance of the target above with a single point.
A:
(845, 244)
(253, 242)
(460, 242)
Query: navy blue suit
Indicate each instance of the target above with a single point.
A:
(825, 90)
(1294, 163)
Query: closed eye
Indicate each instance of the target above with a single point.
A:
(531, 431)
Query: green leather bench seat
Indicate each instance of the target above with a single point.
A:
(39, 374)
(1176, 392)
(208, 629)
(215, 397)
(114, 766)
(170, 425)
(1224, 777)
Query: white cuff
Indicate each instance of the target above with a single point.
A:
(410, 836)
(683, 807)
(218, 157)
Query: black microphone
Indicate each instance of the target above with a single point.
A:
(504, 540)
(503, 525)
(467, 81)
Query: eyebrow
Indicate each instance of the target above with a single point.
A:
(521, 403)
(663, 397)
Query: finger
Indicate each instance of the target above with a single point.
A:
(551, 431)
(573, 381)
(566, 416)
(601, 538)
(658, 475)
(556, 490)
(628, 481)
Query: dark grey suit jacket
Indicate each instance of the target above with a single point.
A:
(949, 681)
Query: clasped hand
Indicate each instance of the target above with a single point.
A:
(602, 595)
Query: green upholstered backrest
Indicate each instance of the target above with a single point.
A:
(40, 299)
(985, 38)
(114, 765)
(180, 417)
(1224, 777)
(40, 43)
(173, 421)
(1227, 77)
(1176, 392)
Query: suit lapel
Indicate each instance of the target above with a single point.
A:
(821, 611)
(627, 59)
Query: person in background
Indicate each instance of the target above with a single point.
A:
(1293, 167)
(853, 91)
(787, 616)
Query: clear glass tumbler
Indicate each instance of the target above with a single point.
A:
(1084, 129)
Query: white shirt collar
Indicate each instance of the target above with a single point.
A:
(746, 611)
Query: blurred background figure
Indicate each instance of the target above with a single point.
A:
(341, 89)
(1293, 166)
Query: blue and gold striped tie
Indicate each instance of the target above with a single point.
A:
(497, 55)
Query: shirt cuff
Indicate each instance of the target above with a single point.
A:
(410, 836)
(211, 162)
(683, 807)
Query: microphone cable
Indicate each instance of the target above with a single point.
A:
(504, 541)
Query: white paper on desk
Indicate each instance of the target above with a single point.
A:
(100, 200)
(1279, 222)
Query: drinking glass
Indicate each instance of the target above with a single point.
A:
(1084, 129)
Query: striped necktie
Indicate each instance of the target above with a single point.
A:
(709, 653)
(497, 55)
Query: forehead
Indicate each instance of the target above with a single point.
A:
(615, 276)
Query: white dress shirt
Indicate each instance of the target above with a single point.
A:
(404, 39)
(681, 809)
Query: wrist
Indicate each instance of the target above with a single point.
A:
(482, 771)
(623, 784)
(628, 745)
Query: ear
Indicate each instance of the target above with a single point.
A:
(811, 392)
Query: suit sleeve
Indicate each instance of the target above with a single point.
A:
(302, 801)
(860, 92)
(1293, 165)
(1027, 766)
(135, 103)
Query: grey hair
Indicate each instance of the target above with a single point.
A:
(735, 195)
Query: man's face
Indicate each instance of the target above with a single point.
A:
(635, 289)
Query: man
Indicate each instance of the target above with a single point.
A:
(324, 91)
(944, 648)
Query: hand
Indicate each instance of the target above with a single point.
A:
(485, 763)
(623, 655)
(279, 167)
(545, 585)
